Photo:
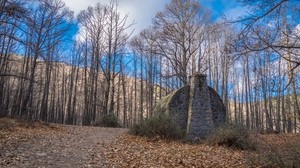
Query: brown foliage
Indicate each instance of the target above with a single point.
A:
(105, 147)
(131, 151)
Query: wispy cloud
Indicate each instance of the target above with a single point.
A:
(141, 12)
(235, 13)
(220, 8)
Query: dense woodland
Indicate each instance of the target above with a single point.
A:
(46, 74)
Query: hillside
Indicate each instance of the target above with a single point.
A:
(275, 114)
(76, 95)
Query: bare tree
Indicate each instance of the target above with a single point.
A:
(104, 30)
(178, 27)
(271, 16)
(47, 28)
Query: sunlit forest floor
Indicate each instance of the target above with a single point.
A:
(272, 151)
(36, 144)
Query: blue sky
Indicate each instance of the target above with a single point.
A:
(142, 11)
(230, 8)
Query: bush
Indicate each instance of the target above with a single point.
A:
(162, 126)
(109, 120)
(277, 151)
(231, 135)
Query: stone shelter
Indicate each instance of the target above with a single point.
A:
(196, 107)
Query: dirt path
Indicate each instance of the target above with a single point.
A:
(74, 147)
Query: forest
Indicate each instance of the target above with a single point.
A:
(108, 69)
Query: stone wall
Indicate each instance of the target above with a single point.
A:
(179, 105)
(217, 107)
(200, 121)
(196, 107)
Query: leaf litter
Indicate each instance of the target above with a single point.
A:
(37, 144)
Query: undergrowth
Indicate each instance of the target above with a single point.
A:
(109, 120)
(162, 126)
(232, 135)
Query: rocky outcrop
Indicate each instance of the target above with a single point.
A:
(196, 107)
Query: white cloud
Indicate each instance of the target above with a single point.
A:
(235, 13)
(297, 30)
(78, 5)
(140, 11)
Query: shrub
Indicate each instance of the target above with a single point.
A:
(277, 151)
(161, 125)
(109, 120)
(231, 135)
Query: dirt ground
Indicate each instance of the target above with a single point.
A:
(36, 145)
(55, 146)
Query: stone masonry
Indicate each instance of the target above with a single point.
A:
(200, 121)
(196, 107)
